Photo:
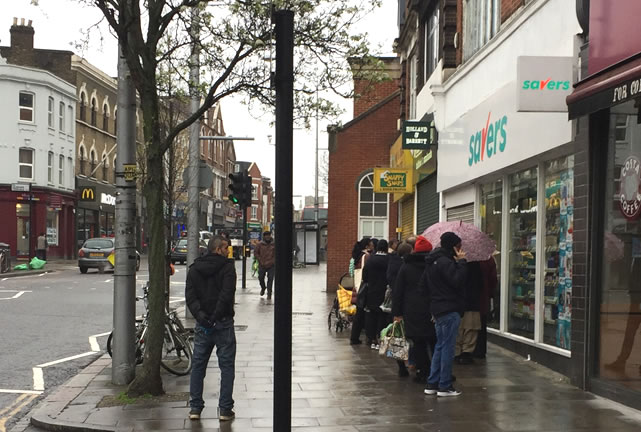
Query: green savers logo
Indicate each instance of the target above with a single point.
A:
(548, 84)
(393, 180)
(490, 140)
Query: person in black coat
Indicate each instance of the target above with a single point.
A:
(375, 275)
(410, 304)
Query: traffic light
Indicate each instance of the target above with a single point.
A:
(241, 189)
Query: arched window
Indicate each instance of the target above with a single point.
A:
(105, 118)
(83, 106)
(93, 162)
(115, 121)
(94, 112)
(114, 169)
(105, 167)
(83, 159)
(372, 210)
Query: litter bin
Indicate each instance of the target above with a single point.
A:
(5, 257)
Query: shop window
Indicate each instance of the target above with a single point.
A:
(50, 107)
(619, 346)
(50, 167)
(61, 170)
(491, 209)
(25, 164)
(61, 117)
(559, 225)
(522, 256)
(22, 229)
(52, 226)
(26, 103)
(481, 21)
(372, 210)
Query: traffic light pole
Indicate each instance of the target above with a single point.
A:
(244, 247)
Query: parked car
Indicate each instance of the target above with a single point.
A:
(179, 251)
(95, 252)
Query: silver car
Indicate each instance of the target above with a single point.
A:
(95, 252)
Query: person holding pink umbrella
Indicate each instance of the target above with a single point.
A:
(444, 279)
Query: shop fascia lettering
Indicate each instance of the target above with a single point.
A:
(107, 199)
(548, 84)
(489, 141)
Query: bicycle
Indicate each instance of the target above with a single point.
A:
(176, 350)
(4, 262)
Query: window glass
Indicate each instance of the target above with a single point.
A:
(431, 44)
(70, 119)
(50, 112)
(367, 194)
(50, 167)
(522, 258)
(491, 223)
(620, 289)
(52, 227)
(61, 165)
(481, 21)
(99, 243)
(26, 163)
(61, 119)
(26, 106)
(559, 225)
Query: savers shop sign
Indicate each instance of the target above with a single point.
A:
(388, 180)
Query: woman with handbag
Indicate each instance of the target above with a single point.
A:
(410, 304)
(375, 275)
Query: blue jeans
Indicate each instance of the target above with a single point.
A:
(446, 332)
(222, 337)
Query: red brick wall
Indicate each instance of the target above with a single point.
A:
(361, 146)
(368, 94)
(508, 7)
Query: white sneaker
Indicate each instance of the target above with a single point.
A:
(373, 346)
(448, 393)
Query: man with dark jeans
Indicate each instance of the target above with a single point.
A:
(444, 279)
(209, 293)
(265, 254)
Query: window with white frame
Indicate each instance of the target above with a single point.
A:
(25, 164)
(61, 170)
(50, 112)
(93, 161)
(70, 171)
(431, 44)
(50, 167)
(254, 192)
(372, 210)
(70, 119)
(26, 103)
(413, 69)
(254, 214)
(481, 21)
(61, 117)
(94, 111)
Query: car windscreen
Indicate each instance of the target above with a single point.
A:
(182, 243)
(98, 244)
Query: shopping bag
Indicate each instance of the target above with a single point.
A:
(394, 345)
(21, 267)
(36, 263)
(386, 306)
(344, 298)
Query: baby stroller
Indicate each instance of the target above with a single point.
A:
(340, 316)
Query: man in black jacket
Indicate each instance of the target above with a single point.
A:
(209, 292)
(445, 276)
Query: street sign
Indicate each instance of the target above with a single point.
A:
(205, 176)
(130, 172)
(20, 187)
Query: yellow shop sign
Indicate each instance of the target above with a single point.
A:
(392, 180)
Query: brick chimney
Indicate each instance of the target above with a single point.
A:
(368, 92)
(22, 52)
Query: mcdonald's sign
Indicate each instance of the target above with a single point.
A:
(88, 194)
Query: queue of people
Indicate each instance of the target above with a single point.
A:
(441, 300)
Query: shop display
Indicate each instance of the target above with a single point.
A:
(559, 217)
(522, 275)
(491, 224)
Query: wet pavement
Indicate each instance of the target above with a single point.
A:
(339, 387)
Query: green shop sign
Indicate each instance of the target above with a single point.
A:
(418, 135)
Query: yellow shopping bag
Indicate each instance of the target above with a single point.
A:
(344, 298)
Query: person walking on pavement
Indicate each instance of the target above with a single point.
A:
(209, 294)
(360, 253)
(444, 279)
(375, 275)
(41, 247)
(265, 254)
(410, 304)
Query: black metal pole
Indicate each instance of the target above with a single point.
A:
(284, 20)
(244, 247)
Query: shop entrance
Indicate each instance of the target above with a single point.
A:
(23, 229)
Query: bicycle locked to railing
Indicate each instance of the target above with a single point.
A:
(176, 349)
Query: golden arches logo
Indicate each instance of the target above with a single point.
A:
(88, 194)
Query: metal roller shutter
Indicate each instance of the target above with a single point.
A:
(463, 213)
(407, 217)
(427, 206)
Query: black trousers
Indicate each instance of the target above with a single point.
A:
(270, 278)
(357, 325)
(423, 350)
(374, 321)
(481, 341)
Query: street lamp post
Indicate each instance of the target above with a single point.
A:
(316, 166)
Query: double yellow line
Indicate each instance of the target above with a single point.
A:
(6, 413)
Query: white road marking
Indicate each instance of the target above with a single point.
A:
(38, 379)
(42, 274)
(15, 296)
(55, 362)
(4, 279)
(11, 391)
(109, 280)
(178, 299)
(93, 341)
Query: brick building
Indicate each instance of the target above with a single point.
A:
(354, 210)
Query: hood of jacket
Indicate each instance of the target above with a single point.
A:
(209, 264)
(418, 257)
(436, 254)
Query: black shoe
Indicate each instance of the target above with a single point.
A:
(448, 392)
(421, 377)
(355, 342)
(262, 292)
(403, 372)
(431, 389)
(194, 414)
(269, 296)
(465, 359)
(226, 414)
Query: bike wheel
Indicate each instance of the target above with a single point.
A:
(176, 354)
(111, 336)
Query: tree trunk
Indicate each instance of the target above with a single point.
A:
(148, 378)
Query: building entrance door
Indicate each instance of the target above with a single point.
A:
(23, 230)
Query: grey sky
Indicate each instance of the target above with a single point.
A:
(59, 25)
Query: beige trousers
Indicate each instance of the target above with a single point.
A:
(468, 333)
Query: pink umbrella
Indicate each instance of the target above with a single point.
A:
(477, 245)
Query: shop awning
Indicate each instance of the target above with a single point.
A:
(605, 89)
